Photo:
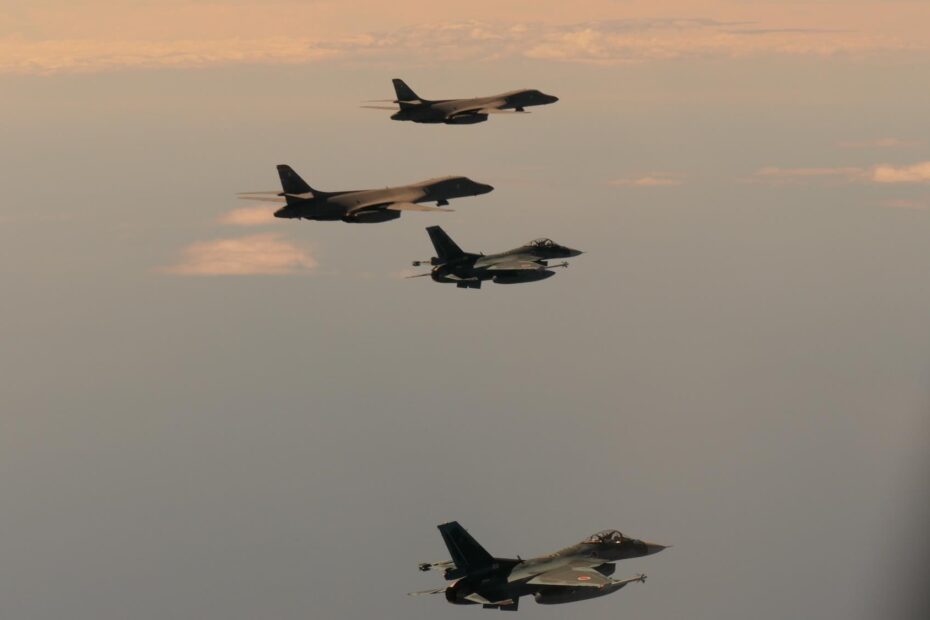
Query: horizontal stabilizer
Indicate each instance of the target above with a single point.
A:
(427, 566)
(264, 198)
(427, 592)
(412, 206)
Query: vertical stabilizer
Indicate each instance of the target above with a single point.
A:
(405, 94)
(291, 183)
(446, 248)
(467, 554)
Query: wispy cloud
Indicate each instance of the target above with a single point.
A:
(777, 175)
(264, 254)
(249, 216)
(598, 42)
(881, 174)
(906, 203)
(80, 55)
(655, 179)
(916, 173)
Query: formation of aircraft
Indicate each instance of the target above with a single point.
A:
(527, 263)
(581, 571)
(576, 573)
(414, 108)
(363, 206)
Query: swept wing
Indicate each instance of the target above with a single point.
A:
(516, 265)
(572, 576)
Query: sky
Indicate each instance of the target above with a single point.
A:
(210, 413)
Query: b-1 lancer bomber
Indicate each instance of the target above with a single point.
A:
(363, 206)
(576, 573)
(460, 111)
(527, 263)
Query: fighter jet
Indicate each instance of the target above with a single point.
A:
(460, 111)
(363, 206)
(527, 263)
(576, 573)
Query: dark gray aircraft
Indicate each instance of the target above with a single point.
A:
(572, 574)
(363, 206)
(527, 263)
(460, 111)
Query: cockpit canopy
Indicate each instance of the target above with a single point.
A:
(543, 243)
(605, 536)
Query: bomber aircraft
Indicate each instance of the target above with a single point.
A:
(363, 206)
(576, 573)
(527, 263)
(460, 111)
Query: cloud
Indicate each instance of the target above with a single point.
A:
(776, 175)
(249, 216)
(595, 42)
(657, 179)
(916, 173)
(625, 41)
(80, 56)
(265, 254)
(906, 203)
(881, 174)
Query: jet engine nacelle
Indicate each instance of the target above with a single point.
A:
(466, 119)
(372, 217)
(523, 276)
(557, 596)
(457, 591)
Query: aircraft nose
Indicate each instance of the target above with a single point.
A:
(654, 547)
(574, 252)
(282, 212)
(483, 188)
(553, 98)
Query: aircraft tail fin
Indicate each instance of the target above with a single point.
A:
(466, 553)
(405, 94)
(446, 248)
(291, 183)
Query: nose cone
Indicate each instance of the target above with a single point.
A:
(653, 547)
(483, 188)
(573, 252)
(551, 98)
(282, 212)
